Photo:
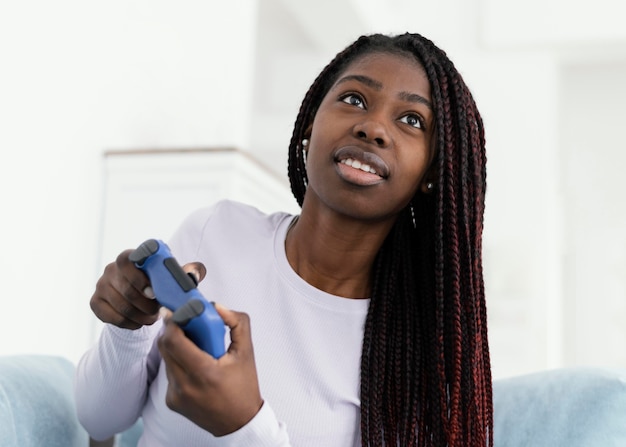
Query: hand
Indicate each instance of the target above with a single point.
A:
(219, 395)
(123, 296)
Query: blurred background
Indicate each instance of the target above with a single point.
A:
(119, 117)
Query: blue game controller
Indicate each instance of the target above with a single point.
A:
(178, 291)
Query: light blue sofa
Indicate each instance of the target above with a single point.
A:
(37, 405)
(568, 407)
(579, 407)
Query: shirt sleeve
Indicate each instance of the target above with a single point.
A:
(264, 430)
(112, 379)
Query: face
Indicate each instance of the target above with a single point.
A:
(370, 141)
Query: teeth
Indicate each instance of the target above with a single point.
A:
(356, 164)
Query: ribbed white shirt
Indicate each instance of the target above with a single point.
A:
(307, 345)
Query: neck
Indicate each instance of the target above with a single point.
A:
(335, 254)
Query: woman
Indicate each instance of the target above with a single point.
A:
(366, 311)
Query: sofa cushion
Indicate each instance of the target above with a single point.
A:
(573, 407)
(36, 403)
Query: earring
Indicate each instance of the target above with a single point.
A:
(305, 144)
(413, 216)
(430, 186)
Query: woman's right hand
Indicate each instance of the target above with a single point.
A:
(123, 295)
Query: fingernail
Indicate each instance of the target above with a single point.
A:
(218, 305)
(164, 312)
(148, 292)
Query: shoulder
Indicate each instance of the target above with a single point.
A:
(223, 222)
(232, 214)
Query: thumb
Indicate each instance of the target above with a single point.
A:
(197, 269)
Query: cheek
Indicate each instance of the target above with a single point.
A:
(415, 170)
(416, 164)
(320, 128)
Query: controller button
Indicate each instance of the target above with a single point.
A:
(144, 251)
(192, 309)
(182, 278)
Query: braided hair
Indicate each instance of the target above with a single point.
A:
(425, 367)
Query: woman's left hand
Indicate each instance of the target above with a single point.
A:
(219, 395)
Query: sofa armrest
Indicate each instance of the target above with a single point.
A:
(36, 403)
(573, 407)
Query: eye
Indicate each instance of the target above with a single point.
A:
(413, 120)
(354, 100)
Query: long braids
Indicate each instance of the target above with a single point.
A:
(425, 367)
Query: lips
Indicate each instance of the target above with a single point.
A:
(357, 158)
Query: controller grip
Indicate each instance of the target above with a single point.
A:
(203, 325)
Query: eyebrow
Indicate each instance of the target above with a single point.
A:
(363, 80)
(414, 97)
(378, 86)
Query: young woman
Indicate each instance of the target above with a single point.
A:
(360, 322)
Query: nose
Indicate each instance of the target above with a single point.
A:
(373, 131)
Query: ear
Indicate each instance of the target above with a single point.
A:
(306, 140)
(308, 130)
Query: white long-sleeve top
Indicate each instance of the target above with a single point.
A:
(307, 345)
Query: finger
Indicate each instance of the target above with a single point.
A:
(174, 372)
(165, 314)
(137, 278)
(106, 313)
(197, 269)
(118, 298)
(171, 337)
(176, 347)
(117, 311)
(240, 333)
(133, 284)
(129, 302)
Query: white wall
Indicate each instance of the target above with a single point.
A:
(594, 152)
(570, 214)
(78, 78)
(510, 23)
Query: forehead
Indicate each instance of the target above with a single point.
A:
(402, 69)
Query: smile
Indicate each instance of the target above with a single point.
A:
(356, 164)
(357, 158)
(360, 167)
